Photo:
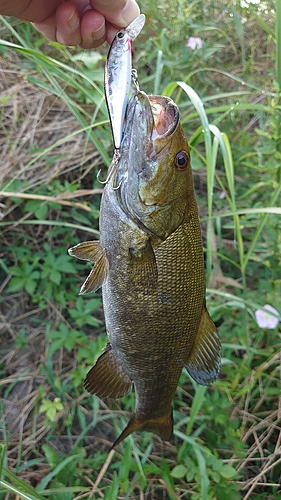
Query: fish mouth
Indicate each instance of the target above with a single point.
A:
(150, 124)
(165, 117)
(151, 120)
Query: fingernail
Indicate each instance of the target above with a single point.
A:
(129, 13)
(99, 33)
(73, 21)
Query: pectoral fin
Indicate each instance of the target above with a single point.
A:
(162, 426)
(204, 362)
(143, 268)
(107, 378)
(92, 251)
(88, 250)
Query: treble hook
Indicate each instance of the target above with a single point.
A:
(107, 177)
(101, 182)
(117, 187)
(115, 160)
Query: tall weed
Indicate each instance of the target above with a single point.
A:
(231, 115)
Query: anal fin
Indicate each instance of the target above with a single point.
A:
(204, 362)
(92, 251)
(107, 378)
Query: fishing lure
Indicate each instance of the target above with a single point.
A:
(117, 77)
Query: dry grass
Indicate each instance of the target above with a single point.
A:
(32, 121)
(261, 429)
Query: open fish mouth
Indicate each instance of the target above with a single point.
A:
(165, 116)
(150, 118)
(150, 123)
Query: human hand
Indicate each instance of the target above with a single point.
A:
(87, 23)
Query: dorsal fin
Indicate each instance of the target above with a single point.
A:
(204, 362)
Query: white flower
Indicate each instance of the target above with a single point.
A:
(194, 42)
(265, 320)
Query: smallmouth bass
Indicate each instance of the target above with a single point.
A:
(149, 261)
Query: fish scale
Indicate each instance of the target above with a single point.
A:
(150, 262)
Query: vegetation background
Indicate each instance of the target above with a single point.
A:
(55, 136)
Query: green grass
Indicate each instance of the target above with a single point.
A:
(55, 437)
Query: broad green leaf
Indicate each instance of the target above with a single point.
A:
(179, 471)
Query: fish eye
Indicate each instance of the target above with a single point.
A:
(120, 35)
(182, 160)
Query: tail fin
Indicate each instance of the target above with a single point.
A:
(162, 426)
